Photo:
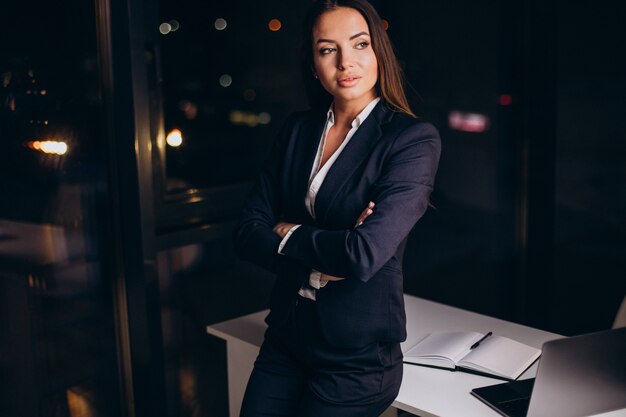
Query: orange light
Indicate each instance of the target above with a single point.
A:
(385, 24)
(174, 138)
(275, 25)
(52, 147)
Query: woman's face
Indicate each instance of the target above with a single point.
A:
(343, 57)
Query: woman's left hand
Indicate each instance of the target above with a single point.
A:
(282, 228)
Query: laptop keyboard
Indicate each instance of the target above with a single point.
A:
(515, 408)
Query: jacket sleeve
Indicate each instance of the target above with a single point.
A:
(401, 195)
(254, 237)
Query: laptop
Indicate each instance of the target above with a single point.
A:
(577, 376)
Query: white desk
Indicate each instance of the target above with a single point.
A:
(425, 391)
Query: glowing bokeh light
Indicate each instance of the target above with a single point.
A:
(385, 24)
(468, 122)
(220, 24)
(226, 80)
(174, 138)
(51, 147)
(189, 108)
(54, 147)
(174, 25)
(238, 117)
(165, 28)
(505, 100)
(275, 25)
(264, 118)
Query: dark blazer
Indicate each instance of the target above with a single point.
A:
(391, 160)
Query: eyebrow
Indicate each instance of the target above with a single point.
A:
(351, 37)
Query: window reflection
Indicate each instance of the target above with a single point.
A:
(57, 343)
(230, 79)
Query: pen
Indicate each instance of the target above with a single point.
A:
(481, 339)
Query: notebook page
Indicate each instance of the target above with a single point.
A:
(501, 356)
(450, 345)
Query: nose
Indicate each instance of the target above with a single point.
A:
(344, 60)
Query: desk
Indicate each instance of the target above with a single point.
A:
(425, 391)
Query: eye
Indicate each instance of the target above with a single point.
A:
(362, 45)
(326, 51)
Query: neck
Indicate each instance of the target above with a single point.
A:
(347, 111)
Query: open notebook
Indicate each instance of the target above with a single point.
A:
(488, 354)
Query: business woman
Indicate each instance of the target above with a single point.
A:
(330, 215)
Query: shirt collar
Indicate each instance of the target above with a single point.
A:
(360, 118)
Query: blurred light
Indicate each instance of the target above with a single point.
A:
(249, 94)
(48, 146)
(468, 122)
(220, 24)
(385, 24)
(264, 118)
(174, 138)
(190, 109)
(226, 80)
(6, 79)
(79, 402)
(505, 100)
(43, 92)
(238, 117)
(275, 25)
(174, 25)
(165, 28)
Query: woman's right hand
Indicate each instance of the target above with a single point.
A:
(325, 277)
(364, 215)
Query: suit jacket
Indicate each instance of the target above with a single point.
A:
(391, 160)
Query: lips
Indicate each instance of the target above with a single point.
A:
(348, 80)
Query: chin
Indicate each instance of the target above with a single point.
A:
(352, 96)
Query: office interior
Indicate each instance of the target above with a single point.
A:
(131, 131)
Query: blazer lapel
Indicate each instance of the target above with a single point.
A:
(306, 144)
(357, 150)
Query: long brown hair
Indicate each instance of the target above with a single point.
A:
(390, 85)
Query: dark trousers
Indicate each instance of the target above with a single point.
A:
(299, 374)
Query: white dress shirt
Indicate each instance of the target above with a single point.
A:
(316, 178)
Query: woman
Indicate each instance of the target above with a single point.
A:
(330, 214)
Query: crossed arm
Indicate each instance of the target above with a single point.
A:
(401, 195)
(282, 228)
